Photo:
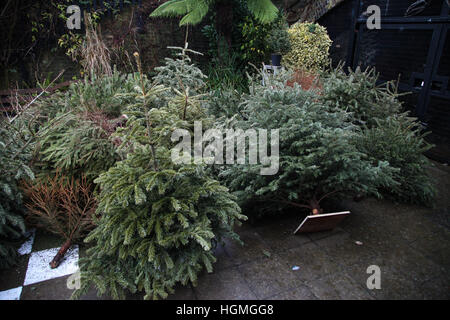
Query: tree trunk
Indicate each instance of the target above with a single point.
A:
(315, 207)
(60, 255)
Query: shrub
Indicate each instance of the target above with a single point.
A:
(226, 73)
(253, 45)
(310, 45)
(278, 39)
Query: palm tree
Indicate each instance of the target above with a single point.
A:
(193, 12)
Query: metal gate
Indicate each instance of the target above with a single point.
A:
(416, 51)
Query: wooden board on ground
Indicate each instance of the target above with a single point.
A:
(321, 222)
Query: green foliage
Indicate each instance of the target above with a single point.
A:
(387, 134)
(254, 47)
(225, 73)
(224, 103)
(226, 70)
(76, 146)
(180, 73)
(96, 94)
(159, 220)
(15, 156)
(258, 40)
(278, 38)
(399, 141)
(310, 45)
(244, 42)
(317, 157)
(47, 17)
(93, 94)
(359, 94)
(263, 10)
(77, 124)
(193, 11)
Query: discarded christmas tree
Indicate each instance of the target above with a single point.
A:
(387, 132)
(15, 156)
(317, 158)
(159, 220)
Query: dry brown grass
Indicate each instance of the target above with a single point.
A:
(96, 56)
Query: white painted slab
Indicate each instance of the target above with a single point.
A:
(39, 268)
(28, 244)
(11, 294)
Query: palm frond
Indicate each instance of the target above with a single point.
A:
(197, 12)
(263, 10)
(172, 8)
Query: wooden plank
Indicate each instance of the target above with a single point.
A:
(321, 222)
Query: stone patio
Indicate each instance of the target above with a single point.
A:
(410, 244)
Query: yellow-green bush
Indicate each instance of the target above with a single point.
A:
(310, 45)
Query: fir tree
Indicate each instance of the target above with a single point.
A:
(75, 130)
(15, 157)
(159, 220)
(388, 133)
(317, 157)
(76, 146)
(180, 73)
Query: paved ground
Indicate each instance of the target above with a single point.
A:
(410, 244)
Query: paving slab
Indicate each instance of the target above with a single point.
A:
(270, 276)
(345, 250)
(223, 285)
(11, 294)
(14, 277)
(312, 260)
(224, 261)
(55, 289)
(436, 289)
(254, 248)
(435, 246)
(39, 269)
(338, 286)
(300, 293)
